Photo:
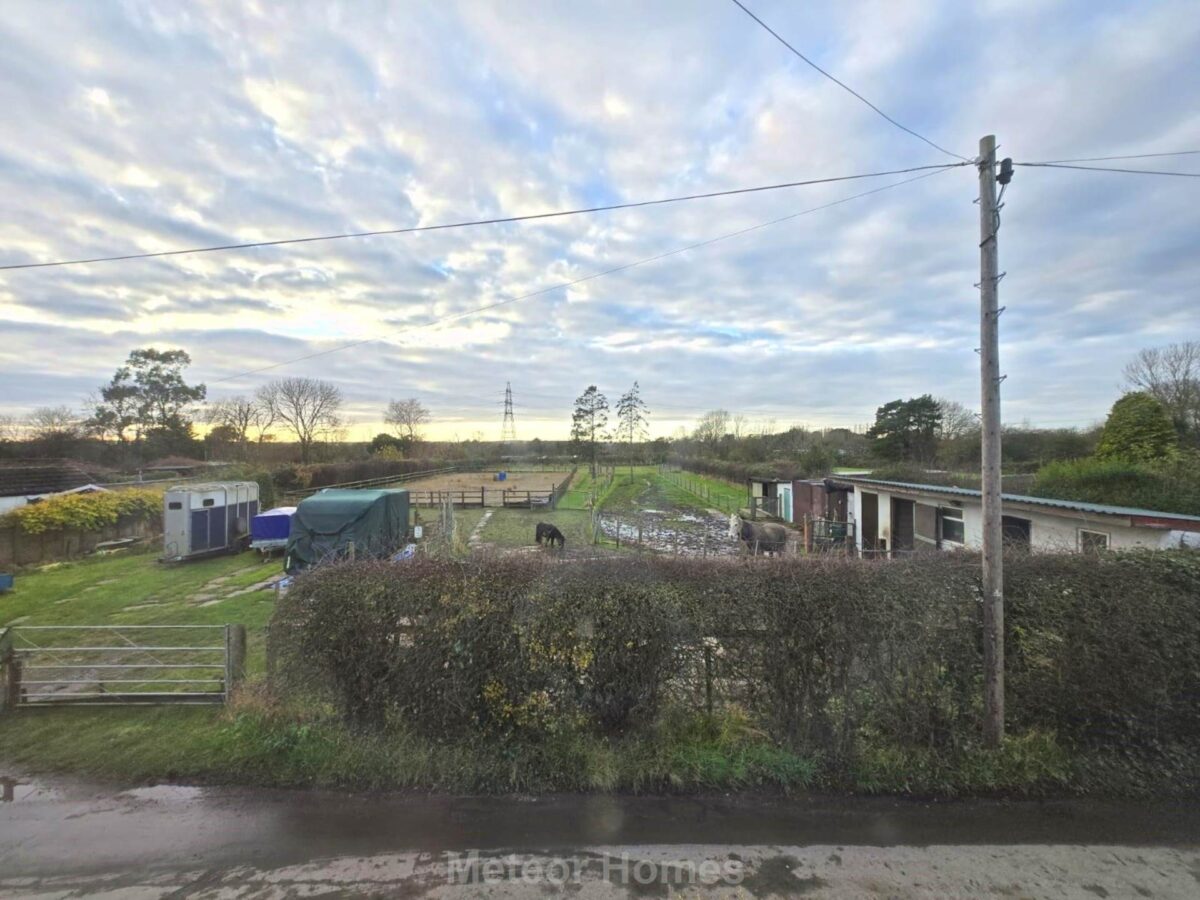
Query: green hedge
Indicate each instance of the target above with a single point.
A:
(842, 660)
(1171, 486)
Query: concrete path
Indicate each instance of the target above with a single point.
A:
(64, 839)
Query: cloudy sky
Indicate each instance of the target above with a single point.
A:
(138, 126)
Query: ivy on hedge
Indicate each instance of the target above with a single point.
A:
(84, 511)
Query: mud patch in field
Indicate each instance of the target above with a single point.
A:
(677, 532)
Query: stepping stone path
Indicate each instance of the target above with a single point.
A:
(475, 540)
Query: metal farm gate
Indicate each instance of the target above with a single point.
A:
(122, 665)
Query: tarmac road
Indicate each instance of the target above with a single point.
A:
(65, 838)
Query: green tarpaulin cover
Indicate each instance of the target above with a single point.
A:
(326, 523)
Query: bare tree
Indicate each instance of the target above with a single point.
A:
(406, 418)
(47, 422)
(246, 418)
(307, 407)
(54, 430)
(712, 428)
(957, 420)
(1171, 375)
(10, 429)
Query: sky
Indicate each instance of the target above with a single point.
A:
(134, 127)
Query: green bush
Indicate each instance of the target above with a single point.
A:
(853, 662)
(1171, 486)
(85, 511)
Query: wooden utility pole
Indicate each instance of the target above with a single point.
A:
(989, 353)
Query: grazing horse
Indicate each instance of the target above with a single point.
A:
(759, 537)
(550, 534)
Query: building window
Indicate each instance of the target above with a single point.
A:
(1092, 541)
(174, 504)
(208, 502)
(952, 531)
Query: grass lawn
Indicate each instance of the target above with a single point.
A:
(135, 589)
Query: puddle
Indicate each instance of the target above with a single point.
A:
(163, 793)
(13, 790)
(680, 533)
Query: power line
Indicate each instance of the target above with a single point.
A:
(1046, 165)
(843, 85)
(470, 223)
(594, 275)
(1049, 162)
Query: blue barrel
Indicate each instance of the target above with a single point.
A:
(502, 476)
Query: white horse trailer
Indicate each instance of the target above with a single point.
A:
(202, 519)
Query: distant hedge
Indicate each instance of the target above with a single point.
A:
(86, 511)
(833, 658)
(1169, 486)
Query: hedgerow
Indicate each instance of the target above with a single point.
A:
(873, 667)
(84, 511)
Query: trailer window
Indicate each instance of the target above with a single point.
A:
(174, 504)
(209, 502)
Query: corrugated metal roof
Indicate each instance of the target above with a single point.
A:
(1076, 505)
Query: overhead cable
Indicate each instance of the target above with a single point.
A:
(501, 220)
(843, 85)
(566, 284)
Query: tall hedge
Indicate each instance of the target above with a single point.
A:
(827, 656)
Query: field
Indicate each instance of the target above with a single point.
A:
(641, 509)
(653, 511)
(473, 481)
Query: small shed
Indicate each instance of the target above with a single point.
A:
(201, 519)
(330, 523)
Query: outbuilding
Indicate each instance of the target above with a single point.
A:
(896, 518)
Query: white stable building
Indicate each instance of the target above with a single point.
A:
(895, 517)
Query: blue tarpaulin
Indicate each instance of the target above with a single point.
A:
(273, 525)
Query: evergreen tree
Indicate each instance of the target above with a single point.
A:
(588, 422)
(1138, 429)
(631, 419)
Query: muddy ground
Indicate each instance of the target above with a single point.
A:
(651, 513)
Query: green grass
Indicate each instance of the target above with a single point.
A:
(711, 493)
(509, 528)
(583, 488)
(135, 589)
(253, 743)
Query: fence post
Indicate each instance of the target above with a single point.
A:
(235, 657)
(11, 669)
(618, 531)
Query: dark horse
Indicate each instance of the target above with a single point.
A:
(549, 533)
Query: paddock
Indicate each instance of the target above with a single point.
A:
(523, 490)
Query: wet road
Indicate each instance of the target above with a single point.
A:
(63, 836)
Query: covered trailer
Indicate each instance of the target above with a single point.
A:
(202, 519)
(269, 530)
(327, 524)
